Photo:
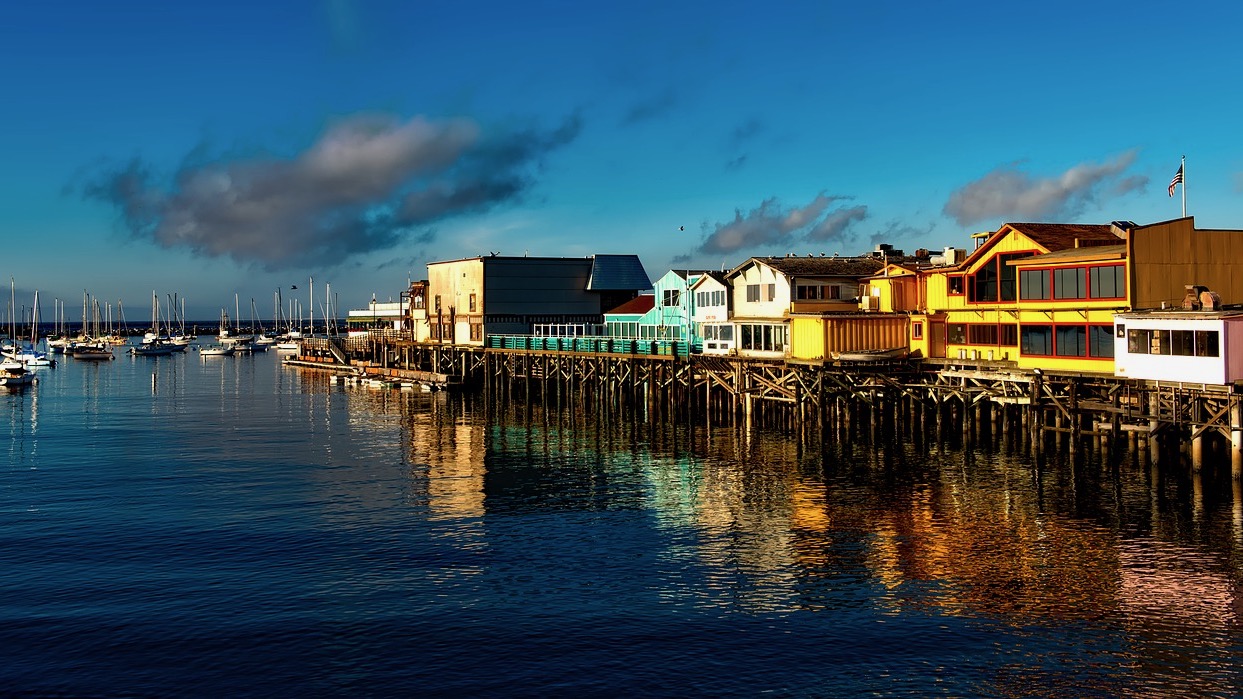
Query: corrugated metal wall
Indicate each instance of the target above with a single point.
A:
(826, 337)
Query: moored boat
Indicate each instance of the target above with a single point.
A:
(14, 374)
(90, 351)
(216, 351)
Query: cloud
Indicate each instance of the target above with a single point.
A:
(771, 225)
(367, 183)
(1009, 193)
(833, 226)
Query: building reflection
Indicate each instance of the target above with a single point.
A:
(771, 526)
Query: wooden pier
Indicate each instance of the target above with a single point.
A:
(1163, 421)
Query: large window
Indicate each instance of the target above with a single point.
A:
(753, 293)
(982, 334)
(1183, 343)
(1095, 341)
(1100, 341)
(1034, 284)
(1036, 339)
(1071, 341)
(1070, 283)
(996, 280)
(1107, 282)
(764, 337)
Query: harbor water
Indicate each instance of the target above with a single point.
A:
(228, 526)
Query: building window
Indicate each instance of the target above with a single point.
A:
(917, 330)
(472, 303)
(671, 297)
(1138, 341)
(1034, 284)
(996, 280)
(1009, 335)
(1071, 341)
(1206, 343)
(476, 330)
(981, 334)
(770, 292)
(955, 285)
(834, 292)
(1070, 283)
(1036, 340)
(1101, 341)
(982, 286)
(437, 303)
(956, 333)
(762, 337)
(1107, 282)
(753, 293)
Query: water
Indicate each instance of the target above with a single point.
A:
(230, 527)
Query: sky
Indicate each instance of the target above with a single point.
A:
(229, 151)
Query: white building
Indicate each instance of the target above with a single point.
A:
(711, 316)
(1182, 346)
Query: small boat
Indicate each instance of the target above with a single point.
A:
(216, 351)
(154, 348)
(13, 374)
(289, 346)
(90, 351)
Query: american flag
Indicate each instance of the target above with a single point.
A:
(1178, 177)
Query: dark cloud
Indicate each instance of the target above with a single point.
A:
(368, 183)
(834, 226)
(1010, 194)
(771, 225)
(736, 163)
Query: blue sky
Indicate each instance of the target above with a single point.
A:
(214, 149)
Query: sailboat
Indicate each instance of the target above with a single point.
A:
(154, 343)
(26, 355)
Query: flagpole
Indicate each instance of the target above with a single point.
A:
(1183, 169)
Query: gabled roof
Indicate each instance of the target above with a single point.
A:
(1060, 236)
(635, 306)
(1050, 236)
(718, 276)
(617, 273)
(815, 266)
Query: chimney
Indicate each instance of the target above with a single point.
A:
(1191, 302)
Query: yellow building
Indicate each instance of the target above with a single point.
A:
(826, 336)
(1043, 295)
(1035, 294)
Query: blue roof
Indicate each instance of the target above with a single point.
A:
(617, 273)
